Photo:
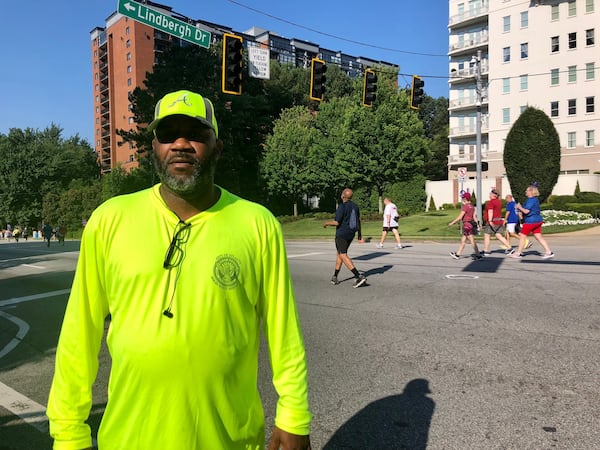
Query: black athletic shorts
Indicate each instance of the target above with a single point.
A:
(342, 245)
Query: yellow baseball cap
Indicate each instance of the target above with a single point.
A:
(186, 103)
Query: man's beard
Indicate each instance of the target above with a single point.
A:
(186, 185)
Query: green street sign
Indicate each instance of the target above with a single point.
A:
(163, 22)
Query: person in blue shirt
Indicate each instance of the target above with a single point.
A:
(532, 222)
(512, 221)
(347, 224)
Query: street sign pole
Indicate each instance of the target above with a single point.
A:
(163, 22)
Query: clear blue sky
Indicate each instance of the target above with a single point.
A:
(46, 62)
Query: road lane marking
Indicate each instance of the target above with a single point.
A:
(28, 298)
(305, 254)
(29, 411)
(23, 329)
(33, 266)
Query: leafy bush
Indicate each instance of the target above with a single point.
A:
(589, 208)
(588, 197)
(560, 201)
(432, 206)
(532, 153)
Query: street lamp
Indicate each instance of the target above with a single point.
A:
(476, 60)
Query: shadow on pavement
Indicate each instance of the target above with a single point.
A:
(395, 422)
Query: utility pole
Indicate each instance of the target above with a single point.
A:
(478, 90)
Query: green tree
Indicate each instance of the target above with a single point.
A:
(532, 153)
(285, 166)
(34, 163)
(384, 144)
(434, 114)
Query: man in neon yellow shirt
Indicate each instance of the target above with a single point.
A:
(187, 295)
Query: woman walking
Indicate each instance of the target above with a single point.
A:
(532, 222)
(469, 224)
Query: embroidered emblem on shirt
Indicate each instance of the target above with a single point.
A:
(226, 271)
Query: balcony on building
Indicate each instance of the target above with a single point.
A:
(468, 46)
(470, 17)
(466, 130)
(466, 103)
(467, 74)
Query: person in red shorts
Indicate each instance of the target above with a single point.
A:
(532, 222)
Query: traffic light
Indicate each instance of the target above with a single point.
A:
(416, 92)
(231, 72)
(369, 88)
(317, 79)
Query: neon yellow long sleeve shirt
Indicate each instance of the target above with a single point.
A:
(189, 381)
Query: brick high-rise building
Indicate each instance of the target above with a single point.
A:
(124, 50)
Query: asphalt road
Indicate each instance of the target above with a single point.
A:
(433, 353)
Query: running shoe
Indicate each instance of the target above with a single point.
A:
(548, 255)
(509, 251)
(454, 255)
(379, 245)
(360, 281)
(399, 246)
(516, 255)
(334, 280)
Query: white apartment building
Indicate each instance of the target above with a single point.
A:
(540, 53)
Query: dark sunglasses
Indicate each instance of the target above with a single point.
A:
(168, 134)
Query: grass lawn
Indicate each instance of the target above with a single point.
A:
(427, 225)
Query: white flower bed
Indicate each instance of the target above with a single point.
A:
(553, 217)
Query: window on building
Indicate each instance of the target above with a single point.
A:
(96, 87)
(522, 109)
(589, 104)
(128, 43)
(131, 120)
(589, 37)
(589, 6)
(524, 82)
(506, 54)
(524, 50)
(97, 120)
(131, 158)
(127, 31)
(524, 19)
(97, 98)
(506, 85)
(554, 12)
(96, 76)
(572, 74)
(590, 71)
(97, 109)
(589, 138)
(573, 40)
(128, 56)
(554, 44)
(128, 81)
(98, 143)
(128, 69)
(572, 8)
(554, 77)
(553, 109)
(572, 106)
(571, 139)
(505, 115)
(461, 150)
(95, 53)
(506, 24)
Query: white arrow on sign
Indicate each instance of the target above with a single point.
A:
(129, 7)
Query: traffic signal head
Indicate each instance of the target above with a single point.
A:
(369, 88)
(416, 92)
(231, 72)
(317, 79)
